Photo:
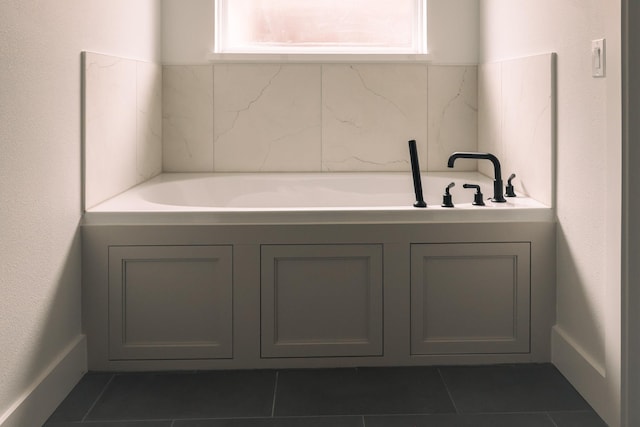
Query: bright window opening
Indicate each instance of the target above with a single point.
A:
(321, 26)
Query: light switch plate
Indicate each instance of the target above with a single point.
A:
(598, 58)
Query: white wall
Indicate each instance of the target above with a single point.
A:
(40, 171)
(188, 32)
(587, 334)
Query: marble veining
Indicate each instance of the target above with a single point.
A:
(237, 112)
(267, 117)
(369, 112)
(187, 124)
(490, 110)
(332, 117)
(453, 115)
(364, 84)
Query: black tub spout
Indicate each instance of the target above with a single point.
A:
(497, 182)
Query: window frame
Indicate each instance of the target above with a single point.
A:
(314, 54)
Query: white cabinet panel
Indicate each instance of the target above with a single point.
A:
(170, 302)
(470, 298)
(321, 300)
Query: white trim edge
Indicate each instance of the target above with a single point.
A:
(583, 372)
(328, 58)
(42, 397)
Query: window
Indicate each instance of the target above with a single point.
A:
(321, 26)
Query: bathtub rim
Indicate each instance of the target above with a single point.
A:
(519, 209)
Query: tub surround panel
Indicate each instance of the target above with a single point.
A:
(528, 105)
(369, 112)
(149, 120)
(517, 110)
(187, 118)
(453, 115)
(267, 117)
(110, 126)
(490, 109)
(122, 137)
(449, 311)
(313, 117)
(321, 300)
(170, 302)
(288, 311)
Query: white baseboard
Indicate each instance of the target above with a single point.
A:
(42, 397)
(587, 375)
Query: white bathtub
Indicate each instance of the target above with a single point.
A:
(228, 258)
(275, 198)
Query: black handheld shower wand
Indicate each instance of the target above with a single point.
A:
(415, 169)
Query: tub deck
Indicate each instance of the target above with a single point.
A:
(307, 198)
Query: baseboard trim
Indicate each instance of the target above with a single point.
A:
(583, 371)
(43, 396)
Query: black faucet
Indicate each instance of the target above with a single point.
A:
(497, 182)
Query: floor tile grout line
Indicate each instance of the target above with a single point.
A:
(444, 383)
(275, 389)
(391, 414)
(553, 422)
(545, 413)
(570, 410)
(95, 402)
(128, 421)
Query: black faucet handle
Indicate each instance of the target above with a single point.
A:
(450, 186)
(478, 197)
(510, 190)
(447, 201)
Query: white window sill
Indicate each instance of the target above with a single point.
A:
(348, 58)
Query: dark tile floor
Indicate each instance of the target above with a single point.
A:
(531, 395)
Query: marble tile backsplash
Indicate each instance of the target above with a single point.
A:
(141, 119)
(187, 118)
(122, 124)
(315, 117)
(453, 115)
(369, 112)
(266, 118)
(517, 121)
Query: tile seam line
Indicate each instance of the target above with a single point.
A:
(95, 402)
(127, 420)
(385, 414)
(550, 418)
(541, 412)
(225, 418)
(275, 390)
(446, 387)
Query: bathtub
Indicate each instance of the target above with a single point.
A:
(284, 198)
(312, 270)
